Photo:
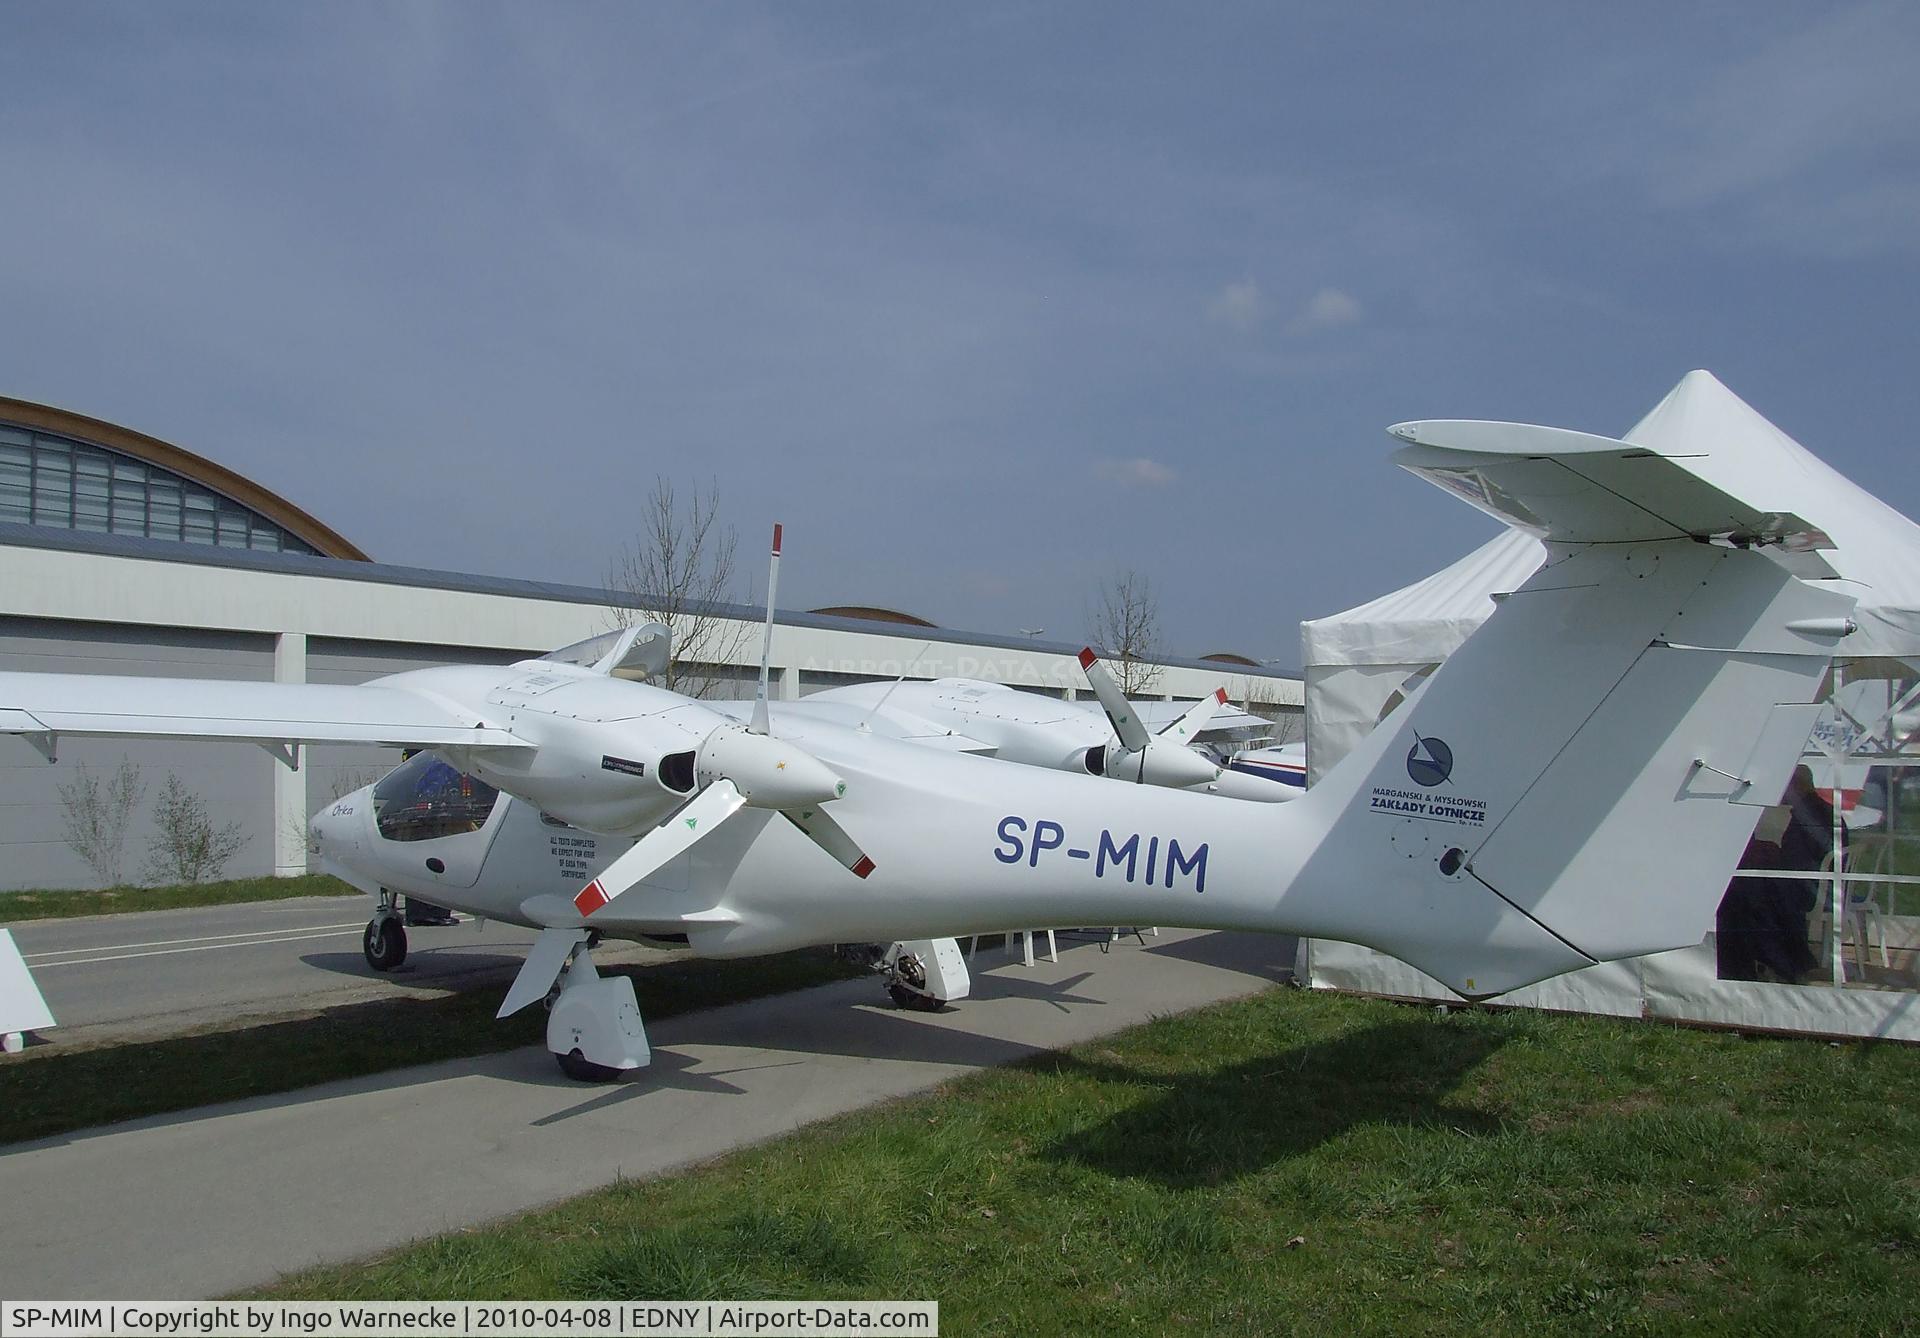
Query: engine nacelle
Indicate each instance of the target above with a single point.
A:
(1168, 764)
(611, 776)
(769, 772)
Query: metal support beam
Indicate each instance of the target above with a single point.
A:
(289, 781)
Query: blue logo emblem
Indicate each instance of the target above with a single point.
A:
(1429, 761)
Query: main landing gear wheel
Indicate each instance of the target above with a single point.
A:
(906, 998)
(581, 1069)
(385, 942)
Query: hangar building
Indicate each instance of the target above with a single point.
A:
(122, 554)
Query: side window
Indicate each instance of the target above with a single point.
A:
(424, 798)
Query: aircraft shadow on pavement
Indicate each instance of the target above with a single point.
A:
(1057, 993)
(426, 969)
(1269, 956)
(762, 1035)
(668, 1072)
(1236, 1120)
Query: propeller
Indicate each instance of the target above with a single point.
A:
(739, 766)
(1151, 759)
(1132, 734)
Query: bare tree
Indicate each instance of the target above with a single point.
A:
(1126, 624)
(1287, 724)
(187, 847)
(677, 568)
(1261, 697)
(95, 815)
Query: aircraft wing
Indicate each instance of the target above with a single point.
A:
(42, 707)
(790, 719)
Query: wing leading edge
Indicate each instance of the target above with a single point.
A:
(44, 706)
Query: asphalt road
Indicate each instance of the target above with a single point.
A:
(215, 1200)
(111, 978)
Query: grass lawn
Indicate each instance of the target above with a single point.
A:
(1296, 1162)
(53, 1093)
(58, 905)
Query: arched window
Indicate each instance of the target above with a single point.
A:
(61, 482)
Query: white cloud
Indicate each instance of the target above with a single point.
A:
(1328, 309)
(1240, 305)
(1138, 472)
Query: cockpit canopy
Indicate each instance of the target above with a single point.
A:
(424, 798)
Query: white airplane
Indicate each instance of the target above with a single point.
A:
(1574, 784)
(999, 721)
(498, 850)
(1283, 765)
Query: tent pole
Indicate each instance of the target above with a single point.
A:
(1837, 889)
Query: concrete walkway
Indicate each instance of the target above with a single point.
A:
(207, 1202)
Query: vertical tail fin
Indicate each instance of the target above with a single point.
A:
(1577, 781)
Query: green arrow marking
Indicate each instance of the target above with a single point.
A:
(692, 823)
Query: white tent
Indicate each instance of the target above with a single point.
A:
(1356, 662)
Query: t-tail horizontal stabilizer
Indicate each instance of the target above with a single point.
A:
(1577, 488)
(1578, 780)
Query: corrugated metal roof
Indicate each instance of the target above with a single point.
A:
(423, 578)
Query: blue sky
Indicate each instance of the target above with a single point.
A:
(984, 302)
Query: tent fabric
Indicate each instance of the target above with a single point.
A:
(1726, 442)
(1343, 704)
(1427, 621)
(1680, 985)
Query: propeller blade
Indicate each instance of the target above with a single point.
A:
(1126, 725)
(1187, 728)
(760, 724)
(831, 837)
(708, 809)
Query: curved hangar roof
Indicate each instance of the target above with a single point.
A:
(868, 613)
(66, 471)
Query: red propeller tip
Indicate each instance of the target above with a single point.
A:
(776, 538)
(863, 868)
(1087, 657)
(591, 898)
(1220, 695)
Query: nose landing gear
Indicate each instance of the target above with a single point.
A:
(385, 942)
